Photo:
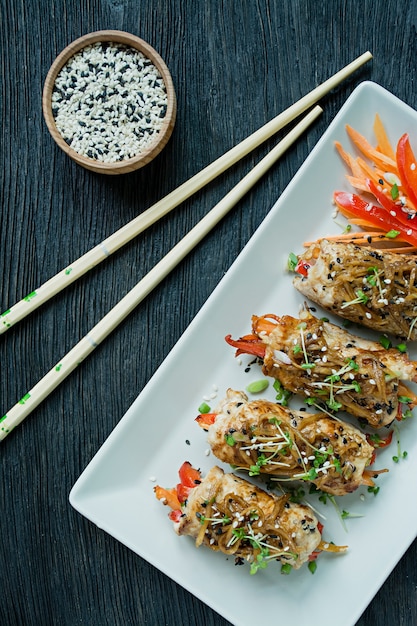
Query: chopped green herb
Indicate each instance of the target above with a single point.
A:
(392, 234)
(229, 439)
(394, 191)
(401, 347)
(286, 568)
(204, 408)
(257, 386)
(292, 261)
(373, 490)
(312, 566)
(385, 342)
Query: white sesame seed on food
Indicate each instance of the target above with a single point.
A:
(109, 102)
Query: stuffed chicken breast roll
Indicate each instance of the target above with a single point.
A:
(231, 515)
(262, 437)
(331, 367)
(370, 287)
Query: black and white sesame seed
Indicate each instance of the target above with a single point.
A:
(109, 102)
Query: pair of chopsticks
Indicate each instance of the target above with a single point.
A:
(125, 306)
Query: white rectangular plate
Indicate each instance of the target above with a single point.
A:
(158, 432)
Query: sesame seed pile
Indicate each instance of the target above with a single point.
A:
(109, 102)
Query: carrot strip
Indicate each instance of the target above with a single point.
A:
(384, 144)
(380, 159)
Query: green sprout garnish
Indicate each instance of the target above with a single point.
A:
(266, 552)
(286, 568)
(214, 520)
(260, 561)
(400, 454)
(361, 298)
(306, 365)
(283, 395)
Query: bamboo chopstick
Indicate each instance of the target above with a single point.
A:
(119, 312)
(114, 242)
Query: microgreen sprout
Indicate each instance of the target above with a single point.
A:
(282, 394)
(266, 552)
(400, 454)
(413, 323)
(331, 383)
(374, 279)
(214, 520)
(306, 365)
(345, 229)
(361, 298)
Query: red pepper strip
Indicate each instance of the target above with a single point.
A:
(302, 267)
(407, 168)
(183, 492)
(206, 419)
(390, 205)
(175, 516)
(379, 442)
(189, 476)
(352, 205)
(249, 344)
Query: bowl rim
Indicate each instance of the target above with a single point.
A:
(155, 147)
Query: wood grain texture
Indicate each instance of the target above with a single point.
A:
(235, 64)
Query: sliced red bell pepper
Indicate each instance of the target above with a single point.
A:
(407, 168)
(387, 202)
(249, 344)
(183, 492)
(302, 267)
(206, 419)
(189, 476)
(175, 516)
(352, 205)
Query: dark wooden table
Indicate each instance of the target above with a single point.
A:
(235, 65)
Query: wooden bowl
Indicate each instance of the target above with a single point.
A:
(150, 148)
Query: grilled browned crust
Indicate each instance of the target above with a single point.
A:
(266, 438)
(368, 387)
(224, 511)
(342, 271)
